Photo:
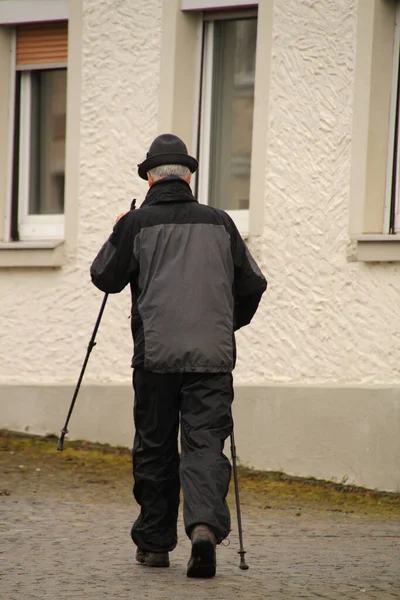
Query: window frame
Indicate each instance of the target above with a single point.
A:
(42, 253)
(369, 240)
(196, 5)
(241, 217)
(30, 227)
(21, 11)
(392, 196)
(180, 70)
(7, 233)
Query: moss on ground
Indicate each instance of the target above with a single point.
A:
(31, 466)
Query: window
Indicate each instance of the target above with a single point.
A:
(214, 4)
(37, 203)
(226, 114)
(392, 204)
(188, 101)
(374, 171)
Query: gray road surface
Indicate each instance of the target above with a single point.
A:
(71, 550)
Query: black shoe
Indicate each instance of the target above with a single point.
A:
(140, 556)
(152, 559)
(202, 562)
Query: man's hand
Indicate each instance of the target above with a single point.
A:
(133, 206)
(121, 215)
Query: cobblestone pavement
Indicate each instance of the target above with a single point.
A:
(68, 550)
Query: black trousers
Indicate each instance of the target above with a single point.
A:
(201, 403)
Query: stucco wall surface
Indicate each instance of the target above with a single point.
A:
(48, 315)
(323, 319)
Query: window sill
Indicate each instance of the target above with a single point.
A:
(377, 247)
(241, 220)
(32, 254)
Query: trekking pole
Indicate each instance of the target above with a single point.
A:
(243, 565)
(92, 343)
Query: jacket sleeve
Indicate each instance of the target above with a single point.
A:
(115, 264)
(249, 282)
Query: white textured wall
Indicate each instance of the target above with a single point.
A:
(48, 315)
(323, 319)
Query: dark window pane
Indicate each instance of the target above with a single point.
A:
(47, 141)
(232, 113)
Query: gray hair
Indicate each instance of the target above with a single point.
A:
(168, 170)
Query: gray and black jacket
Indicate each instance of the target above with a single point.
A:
(193, 281)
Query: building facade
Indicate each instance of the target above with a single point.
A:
(292, 108)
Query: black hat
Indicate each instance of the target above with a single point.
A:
(167, 149)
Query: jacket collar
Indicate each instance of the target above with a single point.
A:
(169, 189)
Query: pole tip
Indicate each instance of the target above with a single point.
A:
(60, 445)
(243, 564)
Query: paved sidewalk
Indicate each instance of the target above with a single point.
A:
(70, 550)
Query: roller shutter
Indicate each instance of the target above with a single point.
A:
(42, 43)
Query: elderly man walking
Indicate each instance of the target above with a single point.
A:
(193, 283)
